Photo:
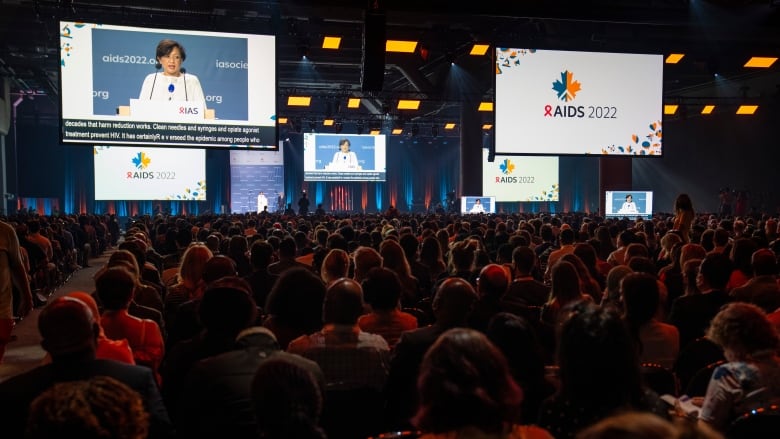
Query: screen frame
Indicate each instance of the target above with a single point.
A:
(609, 200)
(272, 145)
(494, 137)
(311, 173)
(466, 200)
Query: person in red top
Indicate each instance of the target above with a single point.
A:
(382, 290)
(107, 349)
(115, 288)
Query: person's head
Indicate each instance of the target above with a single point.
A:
(344, 145)
(614, 277)
(524, 259)
(453, 301)
(381, 289)
(464, 380)
(99, 407)
(683, 203)
(365, 258)
(517, 338)
(192, 262)
(115, 287)
(170, 54)
(287, 400)
(629, 198)
(595, 347)
(493, 280)
(743, 331)
(343, 302)
(565, 282)
(68, 327)
(261, 254)
(640, 298)
(714, 272)
(335, 265)
(296, 299)
(478, 201)
(764, 262)
(227, 306)
(218, 267)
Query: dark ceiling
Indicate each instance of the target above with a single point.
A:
(717, 37)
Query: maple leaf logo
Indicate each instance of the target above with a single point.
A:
(507, 166)
(141, 160)
(566, 88)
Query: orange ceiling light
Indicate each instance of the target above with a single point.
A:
(408, 104)
(487, 126)
(485, 106)
(671, 108)
(674, 58)
(747, 109)
(401, 46)
(708, 109)
(449, 126)
(763, 62)
(374, 132)
(282, 120)
(397, 131)
(299, 101)
(353, 103)
(479, 49)
(331, 42)
(328, 122)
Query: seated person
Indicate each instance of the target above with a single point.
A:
(628, 206)
(344, 159)
(477, 207)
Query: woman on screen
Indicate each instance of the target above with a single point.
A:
(628, 206)
(344, 159)
(173, 83)
(477, 207)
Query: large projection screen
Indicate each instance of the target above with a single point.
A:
(551, 102)
(104, 69)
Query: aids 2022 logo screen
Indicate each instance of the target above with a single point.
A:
(532, 178)
(132, 173)
(578, 103)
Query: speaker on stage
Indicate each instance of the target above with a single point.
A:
(372, 69)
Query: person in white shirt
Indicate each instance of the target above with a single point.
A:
(262, 202)
(628, 206)
(344, 159)
(477, 207)
(173, 83)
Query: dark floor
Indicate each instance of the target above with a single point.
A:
(25, 352)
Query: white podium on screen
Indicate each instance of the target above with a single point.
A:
(165, 111)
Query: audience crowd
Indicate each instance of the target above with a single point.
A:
(346, 326)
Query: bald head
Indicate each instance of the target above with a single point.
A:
(493, 280)
(67, 326)
(343, 302)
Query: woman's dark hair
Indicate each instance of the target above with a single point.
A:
(465, 380)
(683, 202)
(599, 365)
(640, 301)
(296, 299)
(165, 47)
(287, 401)
(382, 289)
(518, 341)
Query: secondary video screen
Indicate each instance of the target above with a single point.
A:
(629, 204)
(551, 102)
(135, 173)
(344, 157)
(160, 87)
(471, 204)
